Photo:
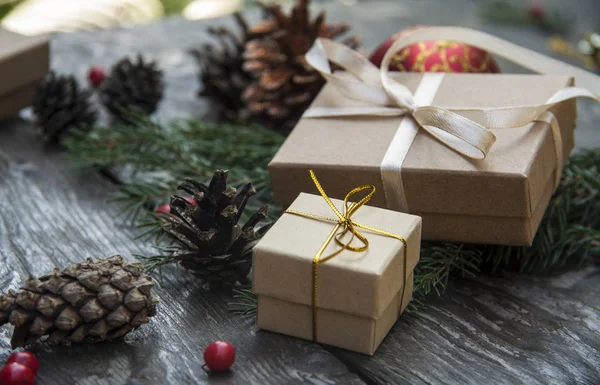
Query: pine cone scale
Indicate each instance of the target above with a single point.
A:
(50, 305)
(41, 326)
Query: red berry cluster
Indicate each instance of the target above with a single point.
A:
(20, 369)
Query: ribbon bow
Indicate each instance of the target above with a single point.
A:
(344, 221)
(464, 130)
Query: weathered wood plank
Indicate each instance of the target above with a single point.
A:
(504, 330)
(52, 214)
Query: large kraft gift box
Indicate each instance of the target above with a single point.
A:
(497, 200)
(24, 61)
(360, 294)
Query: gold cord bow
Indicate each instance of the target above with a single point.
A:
(344, 221)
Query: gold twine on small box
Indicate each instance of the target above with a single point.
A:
(344, 225)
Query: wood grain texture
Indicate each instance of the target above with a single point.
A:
(52, 214)
(503, 330)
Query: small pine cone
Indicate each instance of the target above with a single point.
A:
(94, 301)
(132, 85)
(59, 104)
(214, 246)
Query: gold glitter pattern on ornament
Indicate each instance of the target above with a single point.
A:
(469, 59)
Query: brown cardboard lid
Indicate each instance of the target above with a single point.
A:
(23, 60)
(436, 179)
(356, 283)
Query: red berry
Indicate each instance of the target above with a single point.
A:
(25, 358)
(16, 374)
(536, 11)
(96, 76)
(166, 208)
(219, 356)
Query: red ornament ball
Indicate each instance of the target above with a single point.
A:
(166, 208)
(96, 76)
(219, 356)
(25, 358)
(16, 374)
(435, 56)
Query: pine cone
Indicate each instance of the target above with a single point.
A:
(59, 104)
(263, 75)
(214, 246)
(221, 71)
(285, 84)
(94, 301)
(134, 86)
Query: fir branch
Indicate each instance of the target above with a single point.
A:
(141, 198)
(184, 149)
(440, 260)
(152, 227)
(159, 156)
(189, 148)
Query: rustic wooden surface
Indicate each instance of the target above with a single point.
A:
(52, 214)
(509, 329)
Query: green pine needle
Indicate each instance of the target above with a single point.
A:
(165, 257)
(244, 302)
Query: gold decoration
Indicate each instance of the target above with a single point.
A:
(447, 52)
(345, 222)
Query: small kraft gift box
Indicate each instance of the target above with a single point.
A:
(477, 156)
(24, 61)
(336, 272)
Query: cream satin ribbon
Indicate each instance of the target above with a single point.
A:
(391, 165)
(464, 130)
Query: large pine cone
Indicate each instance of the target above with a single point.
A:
(94, 301)
(285, 84)
(132, 86)
(59, 104)
(262, 75)
(214, 246)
